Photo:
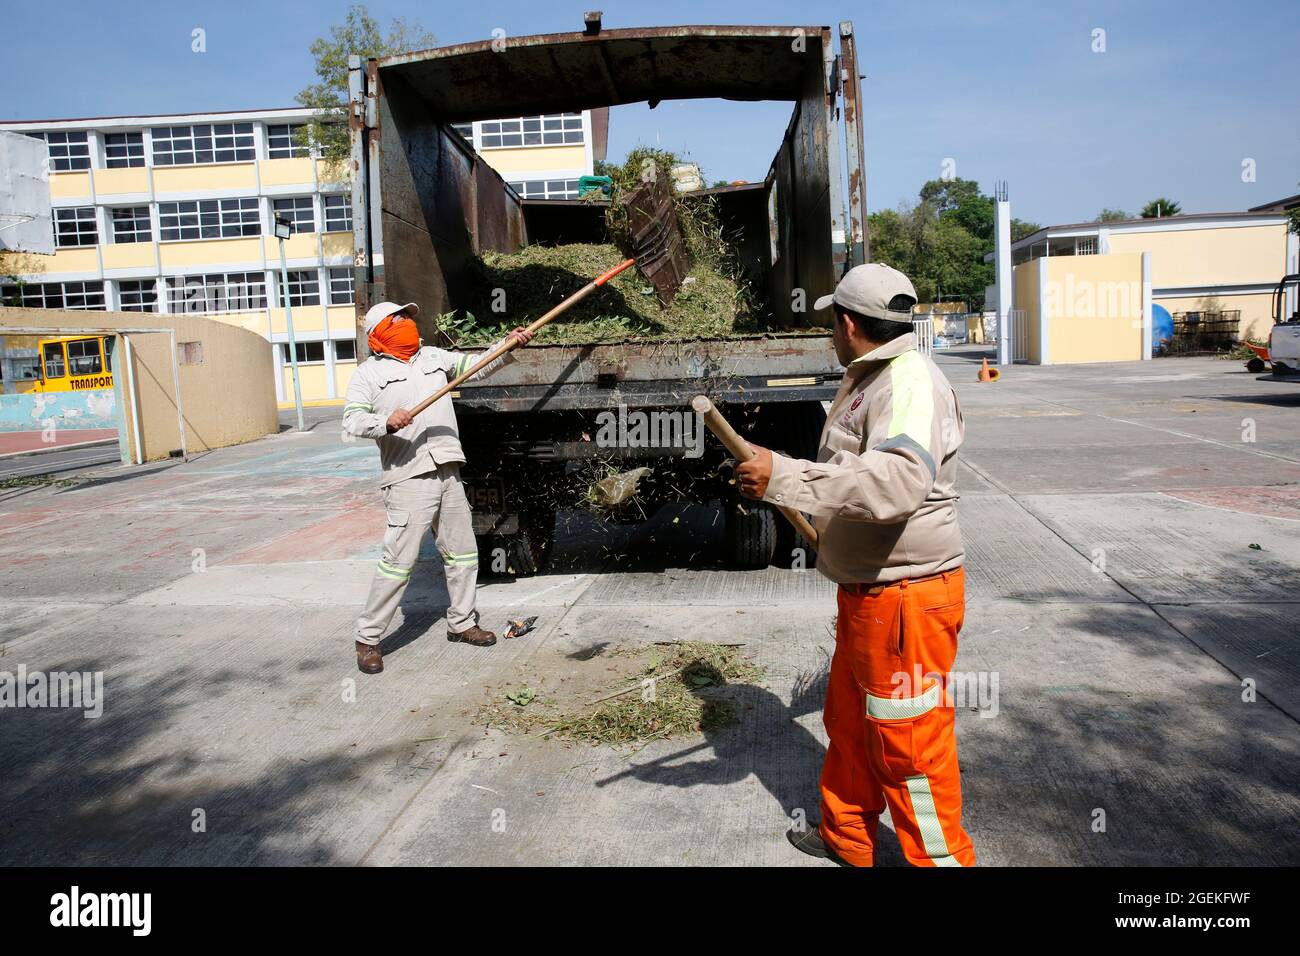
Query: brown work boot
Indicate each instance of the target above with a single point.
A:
(369, 659)
(475, 635)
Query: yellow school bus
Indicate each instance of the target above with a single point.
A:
(74, 363)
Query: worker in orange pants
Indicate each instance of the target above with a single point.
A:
(882, 495)
(889, 717)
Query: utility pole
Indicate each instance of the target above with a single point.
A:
(283, 229)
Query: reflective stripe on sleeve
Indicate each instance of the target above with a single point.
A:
(912, 398)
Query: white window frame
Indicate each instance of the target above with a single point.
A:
(299, 280)
(216, 291)
(299, 205)
(137, 221)
(204, 144)
(344, 202)
(38, 295)
(133, 149)
(339, 278)
(82, 219)
(493, 134)
(233, 215)
(148, 287)
(67, 151)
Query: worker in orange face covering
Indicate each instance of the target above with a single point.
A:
(882, 497)
(421, 458)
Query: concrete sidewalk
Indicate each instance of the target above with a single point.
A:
(1109, 513)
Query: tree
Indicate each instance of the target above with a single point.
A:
(1021, 228)
(358, 35)
(1112, 215)
(1161, 207)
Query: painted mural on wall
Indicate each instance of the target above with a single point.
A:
(37, 411)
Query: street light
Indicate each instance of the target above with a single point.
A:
(283, 230)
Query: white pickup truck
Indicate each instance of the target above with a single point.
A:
(1284, 340)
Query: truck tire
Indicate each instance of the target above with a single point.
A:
(527, 552)
(532, 545)
(750, 534)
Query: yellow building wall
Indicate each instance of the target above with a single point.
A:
(529, 159)
(69, 185)
(337, 244)
(209, 252)
(314, 380)
(109, 182)
(342, 377)
(306, 318)
(1094, 308)
(286, 172)
(128, 255)
(176, 179)
(1024, 279)
(327, 172)
(79, 259)
(252, 321)
(1256, 310)
(1201, 257)
(298, 246)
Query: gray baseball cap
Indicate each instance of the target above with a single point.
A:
(868, 290)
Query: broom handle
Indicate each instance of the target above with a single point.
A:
(740, 448)
(513, 343)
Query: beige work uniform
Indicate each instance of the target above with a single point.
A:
(421, 480)
(882, 491)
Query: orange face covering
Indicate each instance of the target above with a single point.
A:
(401, 340)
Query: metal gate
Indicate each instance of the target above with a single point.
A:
(924, 330)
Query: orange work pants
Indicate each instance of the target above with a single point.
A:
(889, 716)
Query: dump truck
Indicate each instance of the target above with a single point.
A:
(426, 206)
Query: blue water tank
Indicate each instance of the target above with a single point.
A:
(1162, 327)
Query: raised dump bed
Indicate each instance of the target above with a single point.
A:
(432, 220)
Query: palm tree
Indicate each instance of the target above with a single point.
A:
(1159, 208)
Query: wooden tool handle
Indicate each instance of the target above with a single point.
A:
(740, 448)
(511, 344)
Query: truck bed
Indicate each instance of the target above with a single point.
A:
(784, 368)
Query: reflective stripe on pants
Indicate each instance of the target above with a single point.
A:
(435, 500)
(890, 723)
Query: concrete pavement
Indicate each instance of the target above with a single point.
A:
(1144, 655)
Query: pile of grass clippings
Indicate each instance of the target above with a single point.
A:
(682, 702)
(714, 301)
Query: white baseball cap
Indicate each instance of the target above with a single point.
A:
(869, 289)
(383, 310)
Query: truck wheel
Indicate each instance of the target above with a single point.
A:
(531, 549)
(750, 534)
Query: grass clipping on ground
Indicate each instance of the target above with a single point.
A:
(671, 694)
(715, 301)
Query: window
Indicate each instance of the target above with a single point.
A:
(75, 227)
(138, 295)
(68, 151)
(341, 292)
(83, 357)
(212, 143)
(131, 224)
(1085, 246)
(282, 142)
(560, 129)
(345, 350)
(55, 295)
(54, 360)
(25, 369)
(547, 189)
(304, 288)
(217, 292)
(466, 131)
(338, 213)
(308, 352)
(209, 219)
(298, 211)
(123, 149)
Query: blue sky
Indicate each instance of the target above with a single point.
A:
(1183, 94)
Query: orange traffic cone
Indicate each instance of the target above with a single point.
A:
(988, 374)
